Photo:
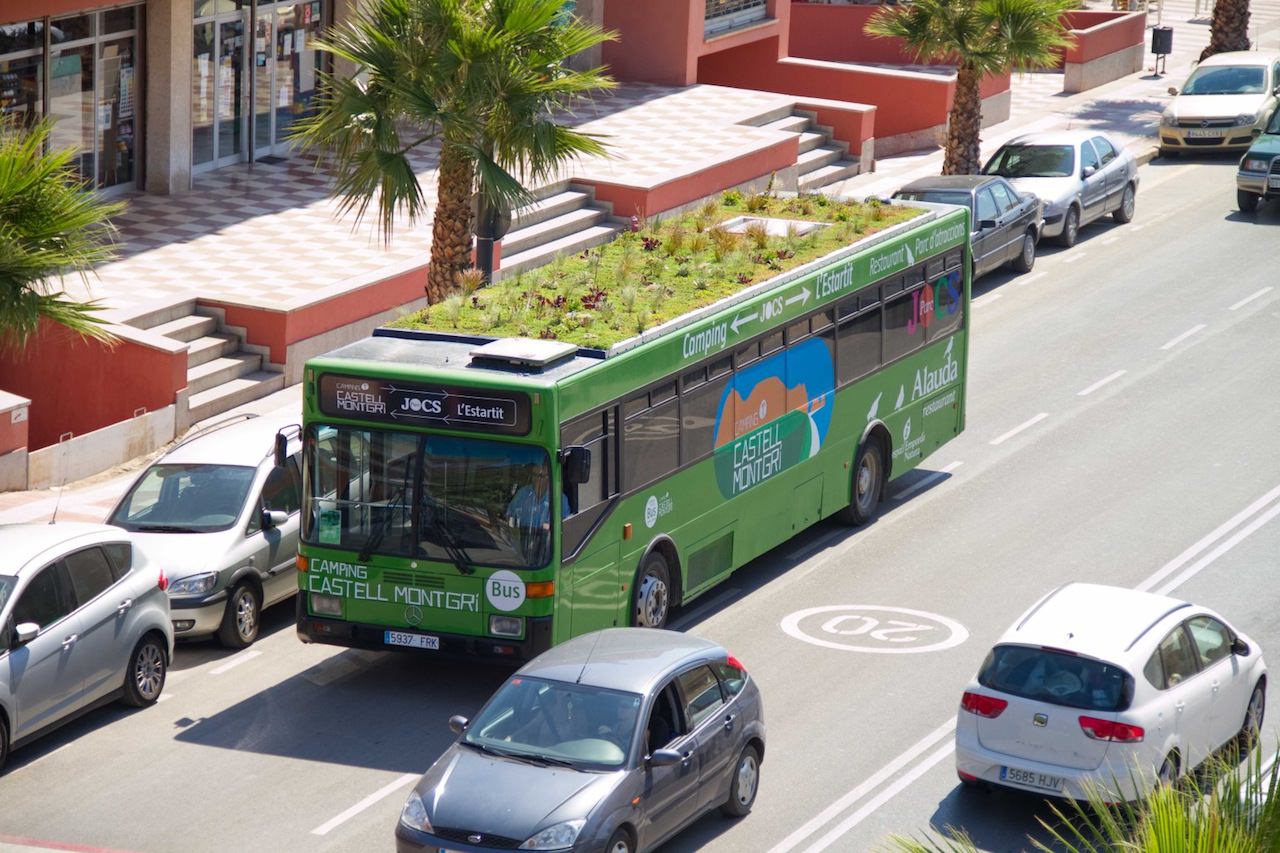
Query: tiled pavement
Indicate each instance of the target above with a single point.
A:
(269, 235)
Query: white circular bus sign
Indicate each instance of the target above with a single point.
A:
(504, 590)
(875, 629)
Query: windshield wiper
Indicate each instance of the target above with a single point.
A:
(526, 757)
(165, 528)
(376, 537)
(457, 554)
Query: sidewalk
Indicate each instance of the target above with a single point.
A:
(1129, 108)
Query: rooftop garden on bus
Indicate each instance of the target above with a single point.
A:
(657, 271)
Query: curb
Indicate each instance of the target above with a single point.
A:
(1147, 156)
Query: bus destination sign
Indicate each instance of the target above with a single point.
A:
(413, 403)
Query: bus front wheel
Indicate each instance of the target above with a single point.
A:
(868, 483)
(652, 599)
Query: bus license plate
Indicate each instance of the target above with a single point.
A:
(1204, 133)
(413, 641)
(1030, 778)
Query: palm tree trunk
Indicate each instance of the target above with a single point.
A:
(451, 231)
(964, 125)
(1230, 28)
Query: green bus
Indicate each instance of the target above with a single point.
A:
(492, 498)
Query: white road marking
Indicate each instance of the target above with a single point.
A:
(235, 661)
(1196, 567)
(986, 299)
(1166, 175)
(821, 542)
(1182, 337)
(1250, 298)
(874, 781)
(926, 481)
(382, 793)
(1095, 386)
(1075, 257)
(1139, 226)
(858, 631)
(1107, 241)
(1019, 428)
(1022, 281)
(883, 797)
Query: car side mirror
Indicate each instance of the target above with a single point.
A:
(1239, 647)
(986, 224)
(1173, 90)
(25, 633)
(577, 465)
(272, 518)
(458, 724)
(664, 758)
(1089, 171)
(281, 449)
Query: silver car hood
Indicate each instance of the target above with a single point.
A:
(182, 555)
(1053, 191)
(1215, 106)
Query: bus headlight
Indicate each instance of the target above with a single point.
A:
(326, 605)
(506, 626)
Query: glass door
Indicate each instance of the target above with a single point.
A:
(219, 87)
(263, 77)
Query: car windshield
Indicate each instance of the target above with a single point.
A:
(958, 197)
(1227, 80)
(1057, 677)
(185, 499)
(461, 500)
(1033, 161)
(559, 721)
(7, 584)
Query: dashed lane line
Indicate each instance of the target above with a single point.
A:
(380, 794)
(1075, 257)
(1085, 392)
(1001, 439)
(986, 299)
(1199, 327)
(1252, 296)
(235, 661)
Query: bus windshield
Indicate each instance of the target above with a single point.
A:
(470, 502)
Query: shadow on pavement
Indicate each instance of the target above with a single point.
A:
(189, 654)
(995, 820)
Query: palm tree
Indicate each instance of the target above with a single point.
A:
(1229, 29)
(486, 80)
(51, 224)
(980, 37)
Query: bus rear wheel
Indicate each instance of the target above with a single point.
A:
(652, 599)
(868, 483)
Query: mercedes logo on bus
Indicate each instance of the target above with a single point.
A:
(413, 615)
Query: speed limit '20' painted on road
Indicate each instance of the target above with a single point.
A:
(874, 629)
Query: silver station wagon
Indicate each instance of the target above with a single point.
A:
(614, 741)
(222, 517)
(83, 620)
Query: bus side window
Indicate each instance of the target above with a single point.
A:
(858, 351)
(903, 324)
(598, 433)
(651, 444)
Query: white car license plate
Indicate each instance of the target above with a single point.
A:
(1204, 133)
(1274, 182)
(1030, 778)
(413, 641)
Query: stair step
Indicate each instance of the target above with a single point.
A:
(829, 175)
(219, 370)
(810, 140)
(548, 208)
(790, 124)
(237, 392)
(207, 348)
(551, 229)
(150, 318)
(545, 253)
(187, 328)
(815, 159)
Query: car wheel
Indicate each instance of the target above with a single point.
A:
(1168, 773)
(867, 485)
(1253, 713)
(1124, 213)
(745, 784)
(242, 619)
(652, 599)
(1027, 257)
(1070, 228)
(619, 842)
(144, 679)
(1247, 201)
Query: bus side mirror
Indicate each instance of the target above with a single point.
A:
(281, 449)
(577, 465)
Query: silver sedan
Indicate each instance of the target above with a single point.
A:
(1080, 175)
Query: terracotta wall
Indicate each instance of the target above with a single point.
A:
(78, 386)
(835, 33)
(1100, 33)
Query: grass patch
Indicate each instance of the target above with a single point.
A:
(655, 273)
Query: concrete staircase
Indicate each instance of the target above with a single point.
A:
(822, 160)
(220, 373)
(563, 221)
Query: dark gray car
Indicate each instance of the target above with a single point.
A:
(613, 741)
(1005, 223)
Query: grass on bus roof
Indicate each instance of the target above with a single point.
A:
(654, 272)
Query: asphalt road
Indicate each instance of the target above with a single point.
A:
(1123, 415)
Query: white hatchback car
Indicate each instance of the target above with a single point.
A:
(1109, 687)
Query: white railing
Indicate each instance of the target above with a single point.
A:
(726, 15)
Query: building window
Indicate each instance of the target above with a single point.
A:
(725, 15)
(22, 61)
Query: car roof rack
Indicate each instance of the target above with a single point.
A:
(215, 426)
